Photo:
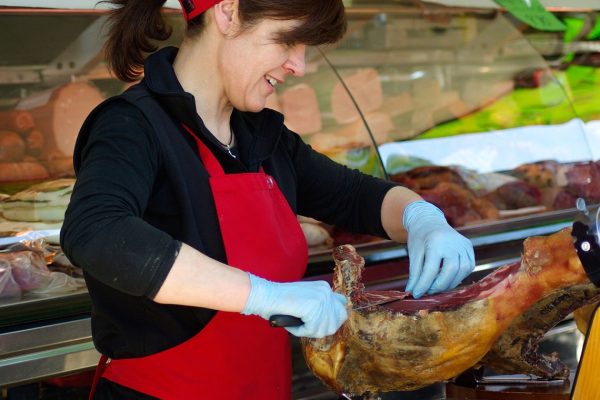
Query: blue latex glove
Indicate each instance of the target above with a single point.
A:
(432, 244)
(322, 310)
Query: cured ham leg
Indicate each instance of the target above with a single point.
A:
(516, 351)
(408, 343)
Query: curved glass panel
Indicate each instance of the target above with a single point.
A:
(332, 114)
(466, 105)
(470, 112)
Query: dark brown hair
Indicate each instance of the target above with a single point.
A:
(136, 25)
(323, 21)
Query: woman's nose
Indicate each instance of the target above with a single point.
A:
(296, 62)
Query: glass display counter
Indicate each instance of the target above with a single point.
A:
(462, 106)
(495, 122)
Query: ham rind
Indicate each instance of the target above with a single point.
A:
(408, 344)
(516, 351)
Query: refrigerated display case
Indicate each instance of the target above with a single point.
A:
(495, 122)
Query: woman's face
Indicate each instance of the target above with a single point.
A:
(252, 64)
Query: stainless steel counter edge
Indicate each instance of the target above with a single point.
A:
(32, 354)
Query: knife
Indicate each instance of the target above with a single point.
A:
(282, 320)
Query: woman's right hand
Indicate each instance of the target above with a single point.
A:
(321, 310)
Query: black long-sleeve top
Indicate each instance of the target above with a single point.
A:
(130, 212)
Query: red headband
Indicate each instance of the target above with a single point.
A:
(193, 8)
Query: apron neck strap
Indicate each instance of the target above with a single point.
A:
(209, 160)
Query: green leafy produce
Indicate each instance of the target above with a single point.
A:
(398, 163)
(572, 94)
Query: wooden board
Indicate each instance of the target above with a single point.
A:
(587, 383)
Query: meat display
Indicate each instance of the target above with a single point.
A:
(61, 117)
(25, 268)
(513, 195)
(37, 138)
(301, 109)
(16, 120)
(354, 135)
(366, 90)
(12, 147)
(428, 177)
(407, 344)
(22, 171)
(444, 187)
(460, 205)
(28, 267)
(579, 184)
(542, 174)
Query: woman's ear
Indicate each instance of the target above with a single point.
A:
(226, 16)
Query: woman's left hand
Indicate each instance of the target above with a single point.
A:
(440, 257)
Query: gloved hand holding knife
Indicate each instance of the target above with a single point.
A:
(321, 310)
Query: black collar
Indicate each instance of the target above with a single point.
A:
(257, 134)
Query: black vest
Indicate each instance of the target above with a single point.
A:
(182, 205)
(187, 178)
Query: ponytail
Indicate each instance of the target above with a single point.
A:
(134, 25)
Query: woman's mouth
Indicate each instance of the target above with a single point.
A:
(271, 81)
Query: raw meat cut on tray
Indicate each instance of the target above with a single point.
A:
(408, 344)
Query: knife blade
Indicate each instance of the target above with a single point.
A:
(282, 320)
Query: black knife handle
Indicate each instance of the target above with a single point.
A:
(588, 250)
(284, 320)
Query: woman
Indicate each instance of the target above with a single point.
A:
(183, 216)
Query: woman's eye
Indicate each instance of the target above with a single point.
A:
(288, 44)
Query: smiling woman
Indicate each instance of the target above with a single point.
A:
(245, 47)
(320, 23)
(183, 216)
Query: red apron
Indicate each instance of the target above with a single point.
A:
(233, 356)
